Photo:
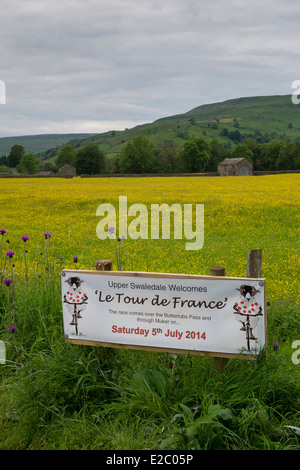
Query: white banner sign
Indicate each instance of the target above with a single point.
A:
(197, 314)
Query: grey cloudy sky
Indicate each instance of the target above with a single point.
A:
(95, 65)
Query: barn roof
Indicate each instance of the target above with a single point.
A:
(232, 161)
(67, 166)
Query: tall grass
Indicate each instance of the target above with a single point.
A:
(54, 395)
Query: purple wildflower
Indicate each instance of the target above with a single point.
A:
(111, 229)
(7, 282)
(25, 238)
(12, 328)
(47, 235)
(10, 253)
(275, 346)
(75, 258)
(2, 231)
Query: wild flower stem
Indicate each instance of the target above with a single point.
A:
(26, 266)
(117, 253)
(121, 253)
(8, 282)
(120, 259)
(25, 238)
(14, 292)
(3, 270)
(2, 232)
(1, 252)
(8, 304)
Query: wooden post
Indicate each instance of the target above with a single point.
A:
(217, 271)
(103, 265)
(220, 362)
(254, 264)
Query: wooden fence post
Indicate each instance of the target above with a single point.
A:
(220, 362)
(254, 263)
(217, 271)
(103, 265)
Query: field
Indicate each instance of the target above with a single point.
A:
(59, 396)
(240, 214)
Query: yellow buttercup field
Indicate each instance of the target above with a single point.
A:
(240, 214)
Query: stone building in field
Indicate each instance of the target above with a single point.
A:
(67, 170)
(235, 167)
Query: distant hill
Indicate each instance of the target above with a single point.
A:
(37, 144)
(263, 118)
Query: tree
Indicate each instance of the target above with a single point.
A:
(235, 136)
(195, 155)
(217, 153)
(242, 151)
(169, 157)
(138, 156)
(297, 156)
(271, 155)
(15, 155)
(287, 157)
(3, 160)
(224, 132)
(29, 164)
(66, 156)
(258, 150)
(90, 160)
(48, 166)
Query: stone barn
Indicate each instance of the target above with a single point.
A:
(67, 170)
(235, 167)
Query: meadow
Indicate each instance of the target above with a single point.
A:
(55, 395)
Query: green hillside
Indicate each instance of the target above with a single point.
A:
(38, 143)
(261, 108)
(263, 118)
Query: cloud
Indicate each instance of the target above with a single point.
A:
(73, 64)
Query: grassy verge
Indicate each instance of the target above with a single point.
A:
(55, 395)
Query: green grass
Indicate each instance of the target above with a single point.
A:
(57, 396)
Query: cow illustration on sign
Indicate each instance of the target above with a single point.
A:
(247, 311)
(75, 299)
